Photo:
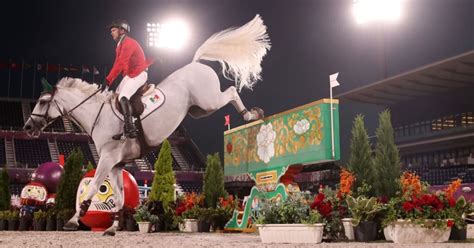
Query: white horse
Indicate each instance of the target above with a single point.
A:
(195, 88)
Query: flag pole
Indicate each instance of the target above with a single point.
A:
(21, 79)
(34, 79)
(332, 123)
(332, 83)
(9, 77)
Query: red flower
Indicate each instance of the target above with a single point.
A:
(317, 200)
(180, 209)
(408, 206)
(325, 209)
(450, 223)
(451, 202)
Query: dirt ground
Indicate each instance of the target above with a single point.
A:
(135, 239)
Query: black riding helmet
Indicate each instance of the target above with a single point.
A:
(120, 24)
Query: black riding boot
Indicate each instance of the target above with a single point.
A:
(129, 129)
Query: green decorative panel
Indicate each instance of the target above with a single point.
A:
(300, 135)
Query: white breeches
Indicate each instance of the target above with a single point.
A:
(129, 86)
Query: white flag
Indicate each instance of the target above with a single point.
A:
(333, 80)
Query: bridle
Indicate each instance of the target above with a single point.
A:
(67, 114)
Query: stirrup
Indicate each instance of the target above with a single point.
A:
(118, 136)
(122, 136)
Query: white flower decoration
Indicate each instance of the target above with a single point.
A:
(301, 126)
(265, 142)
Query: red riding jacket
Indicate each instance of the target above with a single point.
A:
(129, 59)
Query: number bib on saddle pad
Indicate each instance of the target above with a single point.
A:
(147, 99)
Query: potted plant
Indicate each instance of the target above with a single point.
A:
(289, 221)
(188, 220)
(62, 217)
(219, 216)
(419, 216)
(204, 219)
(461, 209)
(188, 211)
(128, 220)
(39, 220)
(26, 220)
(144, 218)
(346, 181)
(51, 219)
(13, 217)
(3, 221)
(363, 211)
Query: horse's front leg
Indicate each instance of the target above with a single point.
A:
(103, 169)
(117, 184)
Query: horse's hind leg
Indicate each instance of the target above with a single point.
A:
(117, 184)
(231, 95)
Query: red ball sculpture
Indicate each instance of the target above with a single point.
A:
(99, 215)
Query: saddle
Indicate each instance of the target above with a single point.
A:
(136, 100)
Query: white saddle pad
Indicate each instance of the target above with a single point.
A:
(152, 101)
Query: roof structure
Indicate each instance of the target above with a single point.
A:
(438, 78)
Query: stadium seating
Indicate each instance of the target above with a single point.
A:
(189, 155)
(56, 126)
(3, 159)
(152, 156)
(443, 175)
(66, 147)
(31, 152)
(191, 187)
(12, 115)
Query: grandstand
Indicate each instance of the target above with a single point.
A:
(433, 117)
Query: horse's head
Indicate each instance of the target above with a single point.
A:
(44, 112)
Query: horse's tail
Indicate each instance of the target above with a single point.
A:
(239, 51)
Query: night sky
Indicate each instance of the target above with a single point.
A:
(310, 40)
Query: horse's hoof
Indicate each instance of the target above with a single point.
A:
(84, 207)
(108, 233)
(70, 226)
(258, 112)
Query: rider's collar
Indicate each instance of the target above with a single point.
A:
(121, 39)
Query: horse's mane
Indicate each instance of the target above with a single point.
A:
(87, 88)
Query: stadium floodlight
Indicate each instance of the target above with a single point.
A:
(377, 10)
(172, 35)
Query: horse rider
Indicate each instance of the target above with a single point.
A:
(130, 61)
